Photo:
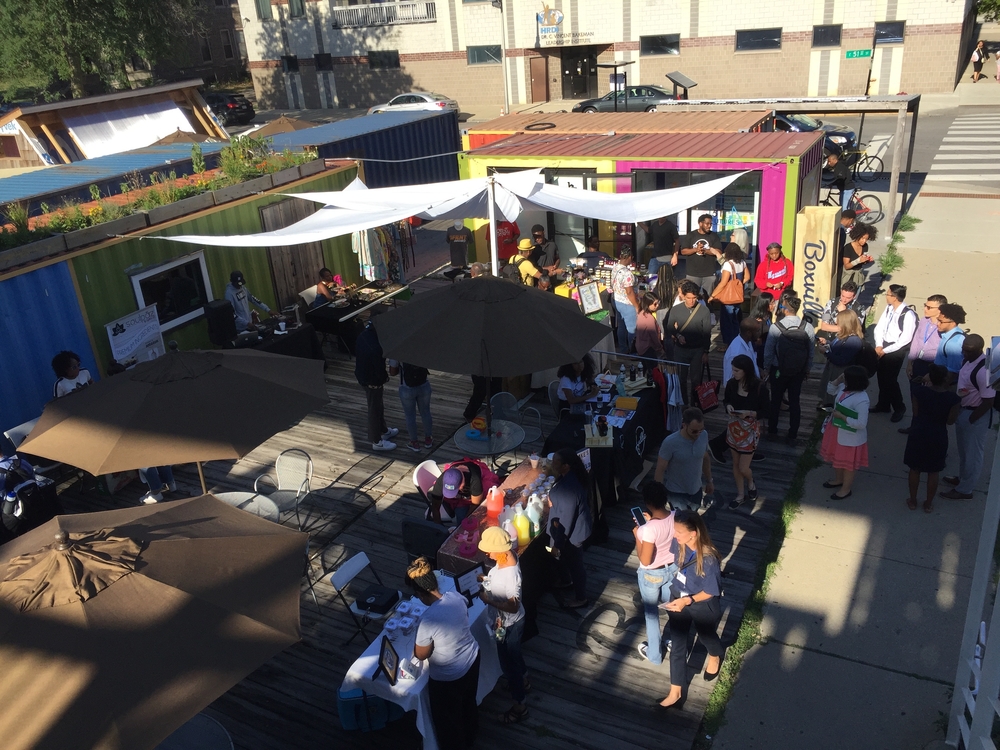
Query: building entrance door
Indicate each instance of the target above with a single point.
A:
(579, 72)
(539, 79)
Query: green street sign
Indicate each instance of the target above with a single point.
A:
(853, 53)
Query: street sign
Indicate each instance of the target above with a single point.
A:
(853, 53)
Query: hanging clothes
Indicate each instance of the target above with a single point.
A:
(675, 400)
(380, 252)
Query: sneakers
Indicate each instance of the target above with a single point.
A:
(752, 493)
(172, 486)
(736, 503)
(717, 453)
(390, 433)
(150, 498)
(643, 649)
(383, 445)
(428, 442)
(414, 446)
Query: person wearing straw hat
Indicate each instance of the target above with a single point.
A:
(523, 265)
(501, 592)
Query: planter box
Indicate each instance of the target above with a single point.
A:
(312, 167)
(244, 189)
(102, 232)
(180, 208)
(33, 251)
(285, 176)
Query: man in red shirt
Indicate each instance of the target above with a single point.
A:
(507, 234)
(775, 273)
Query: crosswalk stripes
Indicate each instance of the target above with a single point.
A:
(969, 151)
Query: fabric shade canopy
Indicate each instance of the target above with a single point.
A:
(356, 207)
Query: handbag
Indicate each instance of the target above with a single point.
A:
(732, 292)
(743, 434)
(708, 392)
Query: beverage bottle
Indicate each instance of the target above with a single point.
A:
(523, 527)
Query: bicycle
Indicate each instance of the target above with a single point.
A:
(868, 207)
(867, 167)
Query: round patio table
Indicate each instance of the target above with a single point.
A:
(504, 436)
(251, 502)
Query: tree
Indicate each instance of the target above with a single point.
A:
(72, 40)
(989, 10)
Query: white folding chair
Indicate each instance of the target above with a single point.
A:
(554, 400)
(293, 471)
(425, 474)
(341, 578)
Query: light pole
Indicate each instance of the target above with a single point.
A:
(498, 4)
(614, 66)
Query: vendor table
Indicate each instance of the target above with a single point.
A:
(251, 502)
(504, 436)
(413, 695)
(326, 319)
(295, 342)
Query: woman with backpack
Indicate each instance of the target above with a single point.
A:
(729, 291)
(414, 393)
(845, 434)
(841, 352)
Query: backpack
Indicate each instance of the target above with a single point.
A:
(412, 375)
(867, 358)
(902, 316)
(975, 372)
(490, 478)
(512, 271)
(793, 349)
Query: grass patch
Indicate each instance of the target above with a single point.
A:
(749, 633)
(907, 223)
(892, 260)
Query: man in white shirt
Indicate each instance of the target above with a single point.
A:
(893, 334)
(742, 344)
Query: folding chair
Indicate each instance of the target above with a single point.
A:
(293, 469)
(555, 401)
(505, 405)
(425, 474)
(342, 577)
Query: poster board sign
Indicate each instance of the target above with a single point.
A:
(136, 337)
(817, 253)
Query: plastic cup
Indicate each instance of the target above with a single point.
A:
(281, 326)
(534, 460)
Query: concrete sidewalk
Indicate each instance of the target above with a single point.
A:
(864, 616)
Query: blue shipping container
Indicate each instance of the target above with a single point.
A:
(396, 148)
(39, 317)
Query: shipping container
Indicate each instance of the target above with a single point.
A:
(395, 148)
(41, 316)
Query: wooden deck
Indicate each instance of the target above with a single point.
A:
(590, 687)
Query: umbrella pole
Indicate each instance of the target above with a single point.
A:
(201, 476)
(492, 209)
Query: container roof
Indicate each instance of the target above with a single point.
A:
(65, 177)
(738, 146)
(682, 121)
(345, 129)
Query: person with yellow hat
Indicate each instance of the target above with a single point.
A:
(521, 262)
(501, 592)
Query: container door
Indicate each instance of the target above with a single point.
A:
(293, 269)
(571, 232)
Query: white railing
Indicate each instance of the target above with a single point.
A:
(384, 14)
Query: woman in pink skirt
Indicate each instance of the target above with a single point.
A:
(845, 434)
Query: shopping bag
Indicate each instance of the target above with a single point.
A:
(708, 392)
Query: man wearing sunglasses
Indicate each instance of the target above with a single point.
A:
(924, 345)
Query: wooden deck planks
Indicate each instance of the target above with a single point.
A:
(591, 688)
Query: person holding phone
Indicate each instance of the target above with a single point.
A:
(654, 538)
(696, 590)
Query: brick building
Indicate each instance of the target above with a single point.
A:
(321, 53)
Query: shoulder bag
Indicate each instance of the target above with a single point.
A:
(732, 291)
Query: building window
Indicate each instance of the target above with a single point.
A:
(889, 32)
(296, 8)
(290, 63)
(206, 49)
(324, 61)
(264, 10)
(179, 288)
(753, 40)
(663, 44)
(827, 36)
(483, 55)
(383, 59)
(227, 44)
(8, 147)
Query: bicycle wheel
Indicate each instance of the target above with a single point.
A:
(868, 207)
(869, 168)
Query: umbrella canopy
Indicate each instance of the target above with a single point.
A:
(183, 136)
(488, 326)
(134, 620)
(180, 408)
(282, 125)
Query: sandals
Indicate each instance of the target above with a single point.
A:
(928, 507)
(911, 504)
(511, 716)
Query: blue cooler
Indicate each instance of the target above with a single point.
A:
(365, 713)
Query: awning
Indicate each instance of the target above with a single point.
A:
(356, 207)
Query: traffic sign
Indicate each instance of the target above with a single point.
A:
(853, 53)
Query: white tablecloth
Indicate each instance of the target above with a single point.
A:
(413, 695)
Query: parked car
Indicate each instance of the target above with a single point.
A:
(639, 99)
(416, 101)
(231, 109)
(837, 137)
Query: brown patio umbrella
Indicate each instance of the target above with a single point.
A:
(134, 620)
(183, 136)
(282, 125)
(183, 407)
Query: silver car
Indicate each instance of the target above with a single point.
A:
(416, 101)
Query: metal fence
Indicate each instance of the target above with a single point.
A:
(384, 14)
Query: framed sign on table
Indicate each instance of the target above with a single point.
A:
(590, 297)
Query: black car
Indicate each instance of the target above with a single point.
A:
(639, 99)
(231, 109)
(837, 138)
